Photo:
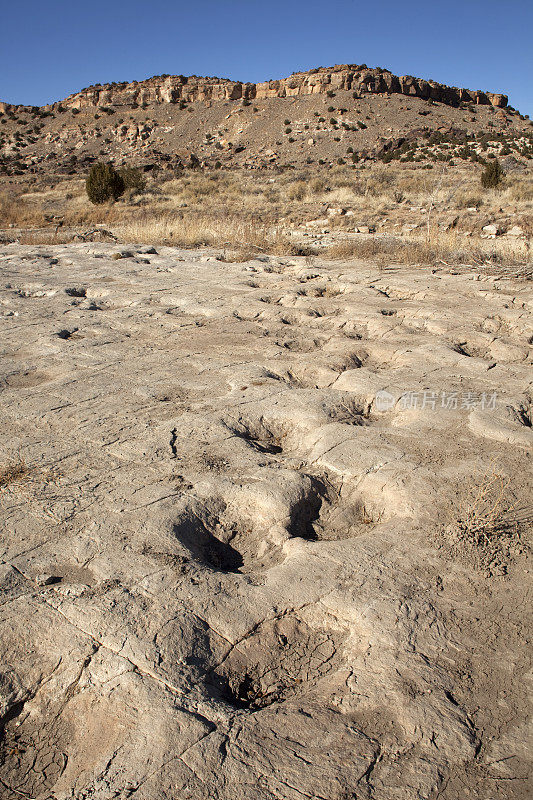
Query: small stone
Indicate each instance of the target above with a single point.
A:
(46, 579)
(516, 230)
(491, 230)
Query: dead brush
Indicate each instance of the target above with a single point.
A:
(14, 473)
(368, 516)
(487, 529)
(482, 518)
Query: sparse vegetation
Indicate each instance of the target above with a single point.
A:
(487, 530)
(132, 179)
(14, 473)
(492, 175)
(186, 205)
(103, 183)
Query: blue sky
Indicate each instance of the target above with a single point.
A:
(51, 49)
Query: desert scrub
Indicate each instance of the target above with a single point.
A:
(132, 178)
(487, 530)
(521, 190)
(297, 191)
(492, 175)
(103, 183)
(463, 201)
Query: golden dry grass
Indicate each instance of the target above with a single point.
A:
(440, 248)
(243, 235)
(244, 212)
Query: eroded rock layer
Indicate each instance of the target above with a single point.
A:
(359, 78)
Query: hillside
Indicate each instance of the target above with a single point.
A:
(324, 116)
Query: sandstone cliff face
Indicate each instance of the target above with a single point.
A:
(361, 79)
(372, 81)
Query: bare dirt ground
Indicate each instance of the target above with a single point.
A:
(265, 527)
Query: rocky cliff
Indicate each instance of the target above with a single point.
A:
(352, 77)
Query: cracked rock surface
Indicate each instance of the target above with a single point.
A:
(235, 562)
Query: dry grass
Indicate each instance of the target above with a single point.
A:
(244, 212)
(487, 531)
(204, 230)
(440, 248)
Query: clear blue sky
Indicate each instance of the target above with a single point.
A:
(52, 48)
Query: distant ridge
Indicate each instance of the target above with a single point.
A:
(353, 77)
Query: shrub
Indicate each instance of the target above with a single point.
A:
(132, 178)
(492, 175)
(297, 191)
(103, 183)
(317, 186)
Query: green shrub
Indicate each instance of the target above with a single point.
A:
(132, 178)
(103, 183)
(492, 175)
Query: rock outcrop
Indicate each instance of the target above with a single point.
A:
(238, 560)
(351, 77)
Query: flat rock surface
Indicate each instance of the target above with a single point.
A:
(241, 557)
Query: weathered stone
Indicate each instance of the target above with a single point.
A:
(178, 88)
